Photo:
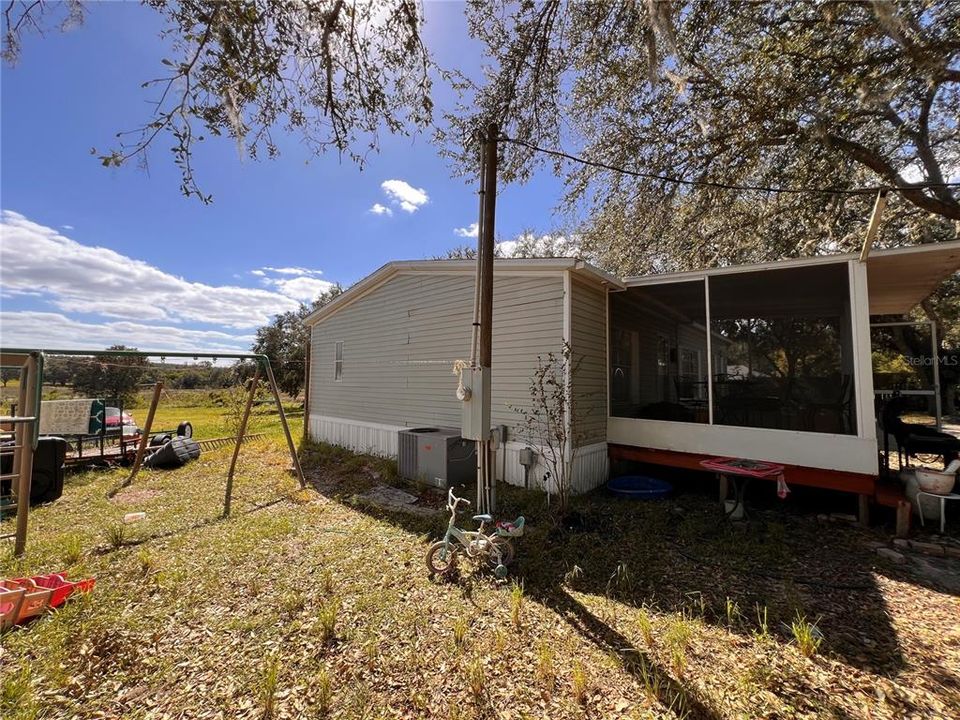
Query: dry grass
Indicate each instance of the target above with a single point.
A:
(309, 606)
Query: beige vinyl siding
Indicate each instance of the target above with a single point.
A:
(400, 341)
(588, 345)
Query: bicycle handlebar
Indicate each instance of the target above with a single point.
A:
(453, 501)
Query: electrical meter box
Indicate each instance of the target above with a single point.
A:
(475, 421)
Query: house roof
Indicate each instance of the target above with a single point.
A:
(898, 278)
(500, 266)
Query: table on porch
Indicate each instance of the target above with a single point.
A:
(743, 469)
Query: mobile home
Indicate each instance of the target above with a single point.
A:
(769, 361)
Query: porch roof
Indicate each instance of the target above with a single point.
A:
(898, 278)
(901, 278)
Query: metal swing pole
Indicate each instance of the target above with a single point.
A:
(294, 458)
(241, 431)
(144, 438)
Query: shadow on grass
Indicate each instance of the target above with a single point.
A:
(678, 556)
(656, 681)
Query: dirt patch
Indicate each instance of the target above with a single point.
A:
(135, 496)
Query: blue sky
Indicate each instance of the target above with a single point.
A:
(93, 256)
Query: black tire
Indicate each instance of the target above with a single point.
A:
(158, 440)
(441, 558)
(185, 429)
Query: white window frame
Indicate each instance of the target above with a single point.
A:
(338, 361)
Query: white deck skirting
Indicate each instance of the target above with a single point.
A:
(590, 465)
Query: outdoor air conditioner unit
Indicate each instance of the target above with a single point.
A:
(436, 456)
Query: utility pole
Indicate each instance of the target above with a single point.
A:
(485, 241)
(474, 386)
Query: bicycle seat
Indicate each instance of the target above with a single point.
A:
(483, 518)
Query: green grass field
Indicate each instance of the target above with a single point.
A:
(311, 604)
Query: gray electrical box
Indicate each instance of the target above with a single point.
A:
(436, 456)
(475, 420)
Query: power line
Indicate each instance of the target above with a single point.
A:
(870, 190)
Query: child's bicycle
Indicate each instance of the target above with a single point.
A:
(493, 548)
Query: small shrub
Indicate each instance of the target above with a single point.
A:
(697, 604)
(460, 628)
(476, 680)
(115, 534)
(579, 683)
(292, 602)
(621, 579)
(546, 670)
(327, 621)
(324, 692)
(653, 684)
(572, 575)
(645, 626)
(733, 612)
(678, 659)
(72, 549)
(326, 582)
(677, 638)
(763, 626)
(516, 604)
(145, 560)
(806, 635)
(267, 689)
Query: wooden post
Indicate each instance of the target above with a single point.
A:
(144, 438)
(863, 507)
(486, 490)
(874, 224)
(487, 245)
(286, 429)
(724, 487)
(903, 518)
(24, 438)
(241, 431)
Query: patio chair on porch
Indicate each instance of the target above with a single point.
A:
(913, 439)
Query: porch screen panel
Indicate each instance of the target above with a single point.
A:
(658, 352)
(786, 340)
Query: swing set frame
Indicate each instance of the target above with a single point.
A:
(27, 423)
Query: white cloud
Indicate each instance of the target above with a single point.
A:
(403, 194)
(304, 289)
(53, 330)
(67, 227)
(378, 209)
(258, 273)
(471, 231)
(293, 271)
(88, 279)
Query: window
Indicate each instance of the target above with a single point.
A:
(338, 362)
(778, 355)
(788, 342)
(691, 375)
(667, 378)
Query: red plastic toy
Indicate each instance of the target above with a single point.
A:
(22, 598)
